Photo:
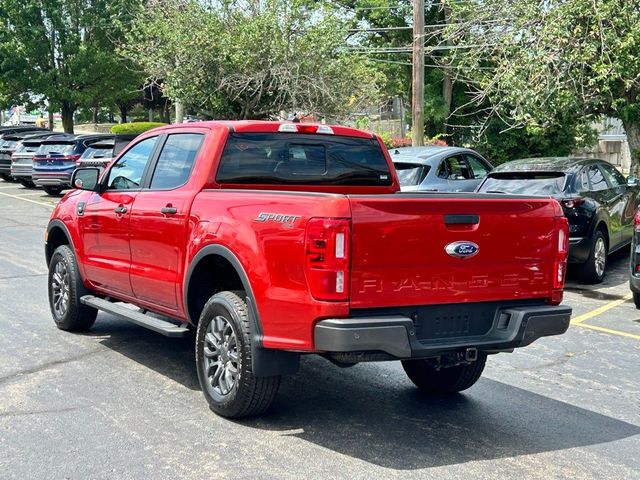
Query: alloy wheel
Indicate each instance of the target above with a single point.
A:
(60, 288)
(600, 256)
(221, 355)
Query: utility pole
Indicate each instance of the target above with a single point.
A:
(417, 112)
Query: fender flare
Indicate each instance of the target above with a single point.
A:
(59, 224)
(266, 362)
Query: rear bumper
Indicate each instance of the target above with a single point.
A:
(513, 327)
(58, 179)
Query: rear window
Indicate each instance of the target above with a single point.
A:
(9, 144)
(59, 148)
(27, 147)
(97, 153)
(525, 183)
(411, 174)
(302, 159)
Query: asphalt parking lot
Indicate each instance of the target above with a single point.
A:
(123, 402)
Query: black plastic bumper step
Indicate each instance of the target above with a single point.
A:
(161, 326)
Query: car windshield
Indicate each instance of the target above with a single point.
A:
(524, 183)
(410, 174)
(55, 148)
(302, 159)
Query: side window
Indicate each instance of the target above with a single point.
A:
(598, 183)
(478, 167)
(616, 179)
(127, 172)
(176, 159)
(443, 169)
(582, 182)
(457, 169)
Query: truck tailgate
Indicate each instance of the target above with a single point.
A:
(399, 257)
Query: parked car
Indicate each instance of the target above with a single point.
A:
(9, 139)
(22, 157)
(634, 277)
(439, 169)
(596, 198)
(275, 239)
(98, 154)
(57, 158)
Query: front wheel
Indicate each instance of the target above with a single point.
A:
(65, 291)
(594, 268)
(444, 380)
(223, 359)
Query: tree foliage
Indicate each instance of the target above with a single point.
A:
(550, 63)
(63, 50)
(252, 59)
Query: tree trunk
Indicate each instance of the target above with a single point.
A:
(632, 128)
(151, 114)
(447, 81)
(94, 115)
(67, 116)
(123, 112)
(50, 126)
(179, 111)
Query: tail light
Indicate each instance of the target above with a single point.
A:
(572, 202)
(327, 261)
(636, 221)
(560, 260)
(305, 128)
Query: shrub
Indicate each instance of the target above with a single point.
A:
(137, 127)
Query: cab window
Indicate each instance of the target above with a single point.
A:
(176, 159)
(126, 173)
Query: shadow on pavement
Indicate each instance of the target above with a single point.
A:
(373, 413)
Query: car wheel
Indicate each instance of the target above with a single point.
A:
(53, 190)
(223, 359)
(25, 183)
(65, 291)
(636, 299)
(444, 380)
(5, 177)
(593, 270)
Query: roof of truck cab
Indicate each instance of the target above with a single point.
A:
(259, 126)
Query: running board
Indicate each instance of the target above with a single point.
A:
(161, 326)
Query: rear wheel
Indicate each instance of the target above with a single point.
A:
(636, 299)
(223, 358)
(26, 183)
(53, 190)
(594, 268)
(5, 177)
(65, 291)
(444, 380)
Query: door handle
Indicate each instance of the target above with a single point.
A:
(120, 209)
(169, 210)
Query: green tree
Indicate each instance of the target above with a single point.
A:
(546, 64)
(252, 59)
(64, 50)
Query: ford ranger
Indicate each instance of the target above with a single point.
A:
(273, 240)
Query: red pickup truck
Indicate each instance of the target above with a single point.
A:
(273, 240)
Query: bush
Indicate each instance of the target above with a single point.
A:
(137, 127)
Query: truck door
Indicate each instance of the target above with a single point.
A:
(159, 221)
(105, 220)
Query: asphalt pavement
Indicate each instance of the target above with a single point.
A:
(121, 402)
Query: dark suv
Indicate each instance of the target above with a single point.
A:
(57, 158)
(9, 138)
(598, 200)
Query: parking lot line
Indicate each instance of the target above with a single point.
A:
(594, 313)
(27, 200)
(609, 330)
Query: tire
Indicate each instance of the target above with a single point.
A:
(636, 299)
(53, 190)
(593, 270)
(5, 177)
(446, 380)
(222, 336)
(65, 291)
(26, 183)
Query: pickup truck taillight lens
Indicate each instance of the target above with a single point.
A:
(636, 221)
(560, 262)
(327, 261)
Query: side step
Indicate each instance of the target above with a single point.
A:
(165, 328)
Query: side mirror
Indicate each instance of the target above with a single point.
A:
(632, 181)
(86, 179)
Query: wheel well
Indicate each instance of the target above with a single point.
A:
(55, 238)
(212, 274)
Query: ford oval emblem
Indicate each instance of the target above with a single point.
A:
(462, 249)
